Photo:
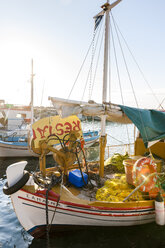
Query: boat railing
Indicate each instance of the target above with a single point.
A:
(13, 136)
(124, 146)
(93, 151)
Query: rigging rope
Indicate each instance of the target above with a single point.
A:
(80, 70)
(115, 139)
(117, 67)
(129, 76)
(109, 63)
(81, 67)
(93, 52)
(90, 69)
(119, 80)
(91, 84)
(101, 42)
(133, 57)
(161, 104)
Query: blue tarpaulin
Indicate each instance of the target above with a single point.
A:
(151, 123)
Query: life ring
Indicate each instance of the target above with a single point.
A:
(141, 169)
(17, 186)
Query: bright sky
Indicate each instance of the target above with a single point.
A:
(57, 34)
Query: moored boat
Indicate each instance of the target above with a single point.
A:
(17, 146)
(45, 198)
(75, 193)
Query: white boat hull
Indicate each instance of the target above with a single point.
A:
(9, 150)
(30, 210)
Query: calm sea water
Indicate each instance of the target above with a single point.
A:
(13, 235)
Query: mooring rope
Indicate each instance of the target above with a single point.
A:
(54, 181)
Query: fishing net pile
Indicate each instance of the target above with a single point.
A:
(116, 161)
(116, 190)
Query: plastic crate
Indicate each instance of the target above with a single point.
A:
(76, 179)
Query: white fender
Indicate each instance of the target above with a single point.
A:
(159, 212)
(15, 172)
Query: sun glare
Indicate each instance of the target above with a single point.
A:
(15, 64)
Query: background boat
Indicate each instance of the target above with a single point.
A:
(17, 146)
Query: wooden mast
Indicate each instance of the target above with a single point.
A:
(106, 8)
(32, 107)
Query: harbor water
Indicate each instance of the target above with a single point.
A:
(12, 234)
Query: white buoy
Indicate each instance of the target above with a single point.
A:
(159, 210)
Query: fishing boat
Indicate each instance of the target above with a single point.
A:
(14, 142)
(18, 146)
(14, 135)
(75, 193)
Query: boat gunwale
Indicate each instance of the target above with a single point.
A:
(101, 205)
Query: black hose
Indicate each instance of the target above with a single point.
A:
(47, 219)
(80, 168)
(54, 181)
(65, 141)
(57, 138)
(86, 167)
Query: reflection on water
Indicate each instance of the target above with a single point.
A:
(11, 232)
(145, 236)
(116, 133)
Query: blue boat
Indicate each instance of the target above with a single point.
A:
(17, 146)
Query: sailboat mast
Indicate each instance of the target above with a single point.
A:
(106, 48)
(104, 93)
(105, 69)
(106, 8)
(32, 107)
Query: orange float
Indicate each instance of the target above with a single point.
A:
(142, 168)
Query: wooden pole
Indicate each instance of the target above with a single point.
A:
(106, 8)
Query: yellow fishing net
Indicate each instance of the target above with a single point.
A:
(116, 190)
